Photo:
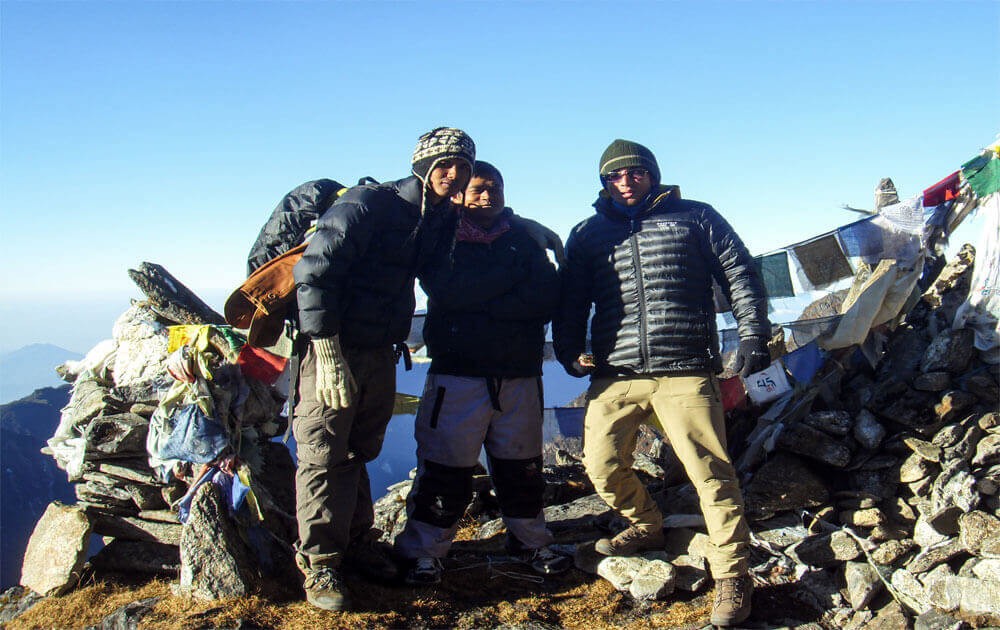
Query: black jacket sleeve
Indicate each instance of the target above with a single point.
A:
(342, 235)
(569, 327)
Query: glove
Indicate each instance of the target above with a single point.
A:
(179, 366)
(583, 366)
(335, 384)
(752, 356)
(546, 238)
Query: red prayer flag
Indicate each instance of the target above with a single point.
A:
(944, 190)
(260, 364)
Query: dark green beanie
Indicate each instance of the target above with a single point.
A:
(625, 154)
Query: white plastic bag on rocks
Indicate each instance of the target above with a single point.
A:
(142, 347)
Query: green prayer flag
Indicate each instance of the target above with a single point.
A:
(983, 174)
(774, 273)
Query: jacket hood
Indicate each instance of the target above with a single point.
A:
(663, 197)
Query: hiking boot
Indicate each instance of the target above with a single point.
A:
(371, 557)
(732, 600)
(630, 542)
(424, 572)
(543, 560)
(324, 589)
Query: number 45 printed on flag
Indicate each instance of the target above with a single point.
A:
(768, 384)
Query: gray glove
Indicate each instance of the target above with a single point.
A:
(335, 384)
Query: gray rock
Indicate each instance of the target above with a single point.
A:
(655, 580)
(893, 552)
(620, 571)
(932, 382)
(926, 536)
(390, 509)
(692, 573)
(586, 558)
(820, 590)
(955, 486)
(988, 569)
(215, 562)
(939, 572)
(933, 556)
(16, 601)
(646, 464)
(56, 550)
(965, 448)
(875, 462)
(687, 542)
(949, 435)
(868, 431)
(953, 404)
(825, 550)
(121, 435)
(814, 444)
(132, 528)
(989, 484)
(982, 385)
(881, 484)
(926, 450)
(870, 517)
(979, 597)
(781, 531)
(987, 451)
(913, 409)
(922, 488)
(863, 583)
(836, 423)
(769, 492)
(137, 470)
(914, 468)
(945, 520)
(936, 620)
(911, 592)
(989, 421)
(945, 593)
(128, 616)
(128, 556)
(977, 530)
(899, 511)
(574, 521)
(951, 351)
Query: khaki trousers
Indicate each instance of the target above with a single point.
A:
(333, 499)
(687, 410)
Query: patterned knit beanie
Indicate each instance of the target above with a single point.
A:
(626, 154)
(443, 143)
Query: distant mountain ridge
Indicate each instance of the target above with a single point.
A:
(26, 369)
(29, 480)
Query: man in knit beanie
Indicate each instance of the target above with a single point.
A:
(355, 302)
(645, 263)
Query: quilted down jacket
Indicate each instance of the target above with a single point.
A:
(649, 279)
(356, 276)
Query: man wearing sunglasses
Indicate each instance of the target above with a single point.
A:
(646, 262)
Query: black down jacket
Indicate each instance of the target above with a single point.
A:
(488, 305)
(649, 278)
(290, 219)
(356, 276)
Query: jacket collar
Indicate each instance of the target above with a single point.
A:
(661, 200)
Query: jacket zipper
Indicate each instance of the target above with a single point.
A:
(643, 342)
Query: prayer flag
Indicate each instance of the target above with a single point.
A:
(822, 260)
(773, 270)
(983, 173)
(804, 362)
(734, 394)
(944, 190)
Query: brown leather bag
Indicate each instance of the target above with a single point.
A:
(260, 303)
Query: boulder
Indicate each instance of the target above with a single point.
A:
(987, 451)
(953, 404)
(129, 556)
(932, 382)
(836, 423)
(620, 571)
(825, 550)
(863, 583)
(937, 620)
(132, 528)
(868, 431)
(769, 492)
(655, 580)
(926, 450)
(933, 556)
(893, 552)
(215, 562)
(910, 591)
(977, 530)
(814, 444)
(56, 550)
(951, 351)
(128, 616)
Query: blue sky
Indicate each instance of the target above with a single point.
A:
(166, 132)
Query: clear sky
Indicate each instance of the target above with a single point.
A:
(167, 131)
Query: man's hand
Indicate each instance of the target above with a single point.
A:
(752, 356)
(583, 366)
(335, 384)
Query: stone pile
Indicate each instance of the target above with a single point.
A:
(101, 442)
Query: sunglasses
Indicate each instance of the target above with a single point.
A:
(635, 174)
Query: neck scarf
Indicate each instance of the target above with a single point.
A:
(469, 232)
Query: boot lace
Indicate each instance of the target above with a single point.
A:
(324, 578)
(731, 590)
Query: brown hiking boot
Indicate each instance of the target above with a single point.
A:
(732, 600)
(323, 586)
(630, 542)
